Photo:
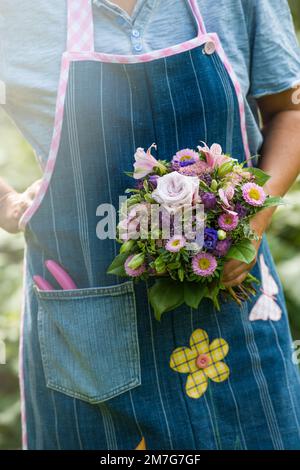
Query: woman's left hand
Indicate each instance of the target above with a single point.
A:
(235, 272)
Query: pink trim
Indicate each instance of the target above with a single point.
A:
(21, 364)
(80, 26)
(239, 94)
(49, 168)
(146, 57)
(196, 11)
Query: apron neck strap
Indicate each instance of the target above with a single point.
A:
(196, 12)
(80, 26)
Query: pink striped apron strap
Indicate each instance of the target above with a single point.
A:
(80, 26)
(198, 16)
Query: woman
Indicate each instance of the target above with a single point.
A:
(97, 371)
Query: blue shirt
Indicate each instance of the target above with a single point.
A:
(257, 35)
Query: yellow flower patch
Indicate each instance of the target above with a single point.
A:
(202, 361)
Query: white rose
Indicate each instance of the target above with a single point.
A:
(175, 190)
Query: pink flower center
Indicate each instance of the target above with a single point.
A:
(202, 361)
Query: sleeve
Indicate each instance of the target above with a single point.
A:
(275, 52)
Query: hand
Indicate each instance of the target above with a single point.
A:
(235, 272)
(13, 205)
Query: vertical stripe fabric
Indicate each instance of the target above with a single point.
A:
(108, 105)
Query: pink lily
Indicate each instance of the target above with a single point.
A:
(226, 195)
(214, 156)
(229, 211)
(145, 163)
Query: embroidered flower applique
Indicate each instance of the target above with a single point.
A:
(202, 361)
(266, 307)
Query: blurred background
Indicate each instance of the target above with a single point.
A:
(18, 167)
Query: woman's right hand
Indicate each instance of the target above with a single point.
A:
(14, 204)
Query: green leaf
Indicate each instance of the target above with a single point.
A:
(174, 265)
(117, 266)
(194, 293)
(165, 295)
(225, 168)
(274, 201)
(260, 176)
(213, 294)
(243, 251)
(149, 199)
(181, 273)
(127, 246)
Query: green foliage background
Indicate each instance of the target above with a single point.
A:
(18, 166)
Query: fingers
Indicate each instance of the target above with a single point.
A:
(238, 271)
(235, 273)
(13, 206)
(236, 281)
(230, 266)
(24, 200)
(232, 269)
(30, 193)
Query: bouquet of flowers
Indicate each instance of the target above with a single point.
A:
(183, 220)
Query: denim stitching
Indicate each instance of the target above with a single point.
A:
(135, 379)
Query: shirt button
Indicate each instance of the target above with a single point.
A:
(209, 48)
(138, 47)
(135, 33)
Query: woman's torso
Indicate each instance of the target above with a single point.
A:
(30, 68)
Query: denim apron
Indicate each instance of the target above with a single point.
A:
(97, 370)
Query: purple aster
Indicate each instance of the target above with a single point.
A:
(204, 264)
(241, 210)
(210, 238)
(184, 158)
(222, 247)
(175, 244)
(209, 200)
(228, 221)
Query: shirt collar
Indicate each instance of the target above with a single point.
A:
(140, 7)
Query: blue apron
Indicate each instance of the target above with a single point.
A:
(97, 370)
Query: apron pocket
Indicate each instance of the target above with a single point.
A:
(89, 341)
